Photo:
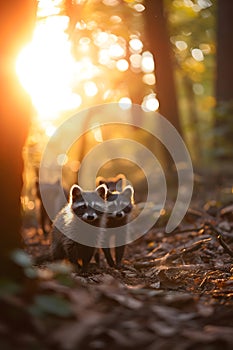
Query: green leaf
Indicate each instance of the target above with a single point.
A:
(21, 258)
(53, 305)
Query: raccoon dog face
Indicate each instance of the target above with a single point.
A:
(120, 204)
(116, 183)
(88, 205)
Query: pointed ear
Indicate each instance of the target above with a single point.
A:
(120, 177)
(120, 182)
(128, 192)
(75, 192)
(99, 181)
(102, 191)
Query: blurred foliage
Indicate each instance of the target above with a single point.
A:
(223, 131)
(51, 304)
(34, 303)
(94, 27)
(192, 35)
(110, 62)
(37, 303)
(193, 38)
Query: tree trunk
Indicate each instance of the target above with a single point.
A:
(193, 120)
(224, 83)
(16, 22)
(159, 45)
(224, 87)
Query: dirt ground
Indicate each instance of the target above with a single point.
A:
(174, 291)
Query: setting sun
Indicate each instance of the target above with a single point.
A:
(45, 68)
(70, 66)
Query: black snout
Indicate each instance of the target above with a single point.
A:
(90, 217)
(119, 214)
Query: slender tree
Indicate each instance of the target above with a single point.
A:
(16, 23)
(224, 86)
(224, 82)
(159, 45)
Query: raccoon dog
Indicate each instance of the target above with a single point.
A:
(114, 184)
(120, 204)
(87, 206)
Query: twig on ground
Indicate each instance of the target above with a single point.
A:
(192, 229)
(220, 239)
(171, 256)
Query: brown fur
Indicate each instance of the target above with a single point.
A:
(63, 247)
(116, 186)
(116, 183)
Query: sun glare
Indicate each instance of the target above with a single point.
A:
(125, 103)
(147, 63)
(122, 65)
(49, 128)
(97, 132)
(136, 45)
(45, 68)
(90, 88)
(150, 103)
(63, 74)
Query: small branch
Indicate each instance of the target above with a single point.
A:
(195, 246)
(221, 240)
(193, 229)
(169, 257)
(225, 246)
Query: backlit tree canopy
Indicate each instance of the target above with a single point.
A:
(85, 53)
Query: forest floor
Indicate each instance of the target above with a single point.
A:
(174, 291)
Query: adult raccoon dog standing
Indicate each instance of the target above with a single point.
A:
(120, 205)
(87, 206)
